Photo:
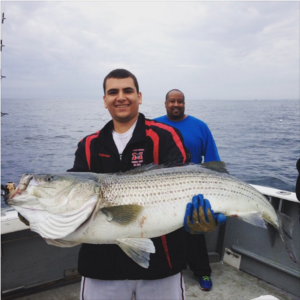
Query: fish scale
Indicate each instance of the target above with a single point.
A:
(185, 184)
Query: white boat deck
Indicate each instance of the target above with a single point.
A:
(228, 284)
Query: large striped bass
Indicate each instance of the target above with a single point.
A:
(129, 208)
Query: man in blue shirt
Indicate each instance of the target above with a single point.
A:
(199, 140)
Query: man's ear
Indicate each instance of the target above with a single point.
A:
(140, 97)
(104, 101)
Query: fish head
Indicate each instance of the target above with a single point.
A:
(59, 191)
(67, 198)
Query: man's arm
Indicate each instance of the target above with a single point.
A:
(80, 162)
(172, 148)
(211, 151)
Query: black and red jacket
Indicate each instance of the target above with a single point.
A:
(151, 142)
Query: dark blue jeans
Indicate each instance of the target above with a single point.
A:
(198, 259)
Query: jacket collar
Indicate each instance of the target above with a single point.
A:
(139, 133)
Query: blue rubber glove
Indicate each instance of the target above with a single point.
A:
(200, 218)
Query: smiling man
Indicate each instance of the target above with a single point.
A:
(122, 99)
(127, 141)
(175, 105)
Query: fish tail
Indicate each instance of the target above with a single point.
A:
(286, 233)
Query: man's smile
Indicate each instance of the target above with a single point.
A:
(176, 109)
(122, 106)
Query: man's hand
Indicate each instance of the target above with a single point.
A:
(200, 218)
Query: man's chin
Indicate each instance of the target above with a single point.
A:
(176, 117)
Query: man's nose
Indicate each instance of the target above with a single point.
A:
(121, 95)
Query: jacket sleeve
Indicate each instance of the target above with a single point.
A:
(172, 148)
(80, 162)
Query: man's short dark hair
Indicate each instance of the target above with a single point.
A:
(120, 74)
(174, 90)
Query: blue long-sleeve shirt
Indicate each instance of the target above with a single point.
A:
(197, 138)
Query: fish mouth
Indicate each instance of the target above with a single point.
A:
(22, 186)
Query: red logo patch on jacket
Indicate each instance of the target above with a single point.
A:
(104, 155)
(137, 157)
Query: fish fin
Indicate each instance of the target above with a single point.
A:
(138, 249)
(217, 166)
(122, 214)
(286, 232)
(255, 218)
(61, 243)
(22, 219)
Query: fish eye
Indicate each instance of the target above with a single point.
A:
(49, 178)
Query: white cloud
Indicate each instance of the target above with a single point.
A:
(220, 50)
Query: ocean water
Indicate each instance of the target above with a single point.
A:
(258, 140)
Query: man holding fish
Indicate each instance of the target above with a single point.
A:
(128, 141)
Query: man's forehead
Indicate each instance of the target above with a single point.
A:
(119, 83)
(175, 94)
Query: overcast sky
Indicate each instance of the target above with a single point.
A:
(209, 50)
